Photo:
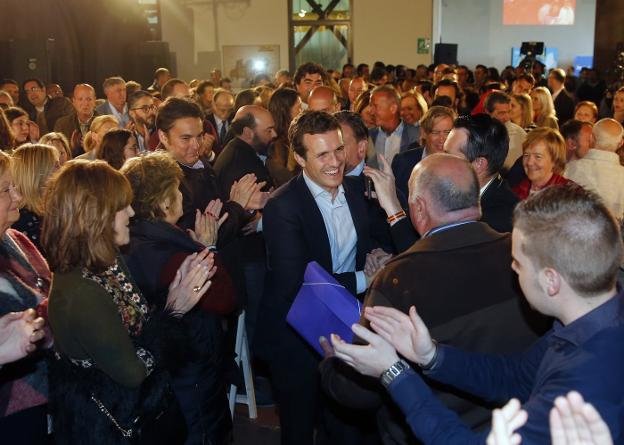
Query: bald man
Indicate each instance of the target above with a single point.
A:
(323, 98)
(253, 129)
(458, 275)
(76, 125)
(600, 170)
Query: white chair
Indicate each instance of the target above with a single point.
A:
(241, 351)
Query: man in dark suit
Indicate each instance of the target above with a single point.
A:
(564, 102)
(392, 135)
(435, 126)
(442, 274)
(76, 125)
(483, 141)
(221, 117)
(42, 109)
(316, 216)
(253, 130)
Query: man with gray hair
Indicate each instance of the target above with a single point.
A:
(442, 274)
(600, 170)
(115, 105)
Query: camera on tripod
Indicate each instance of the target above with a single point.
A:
(530, 50)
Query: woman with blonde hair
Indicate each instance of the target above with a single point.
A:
(33, 164)
(108, 377)
(60, 142)
(413, 107)
(586, 111)
(92, 140)
(543, 160)
(544, 108)
(522, 111)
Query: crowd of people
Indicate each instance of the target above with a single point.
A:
(475, 215)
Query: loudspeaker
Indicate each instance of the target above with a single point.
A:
(445, 53)
(29, 58)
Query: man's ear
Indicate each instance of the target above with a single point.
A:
(248, 133)
(550, 281)
(480, 165)
(300, 160)
(362, 148)
(162, 136)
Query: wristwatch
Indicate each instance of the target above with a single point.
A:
(393, 372)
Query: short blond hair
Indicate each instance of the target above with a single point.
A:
(33, 164)
(555, 145)
(90, 140)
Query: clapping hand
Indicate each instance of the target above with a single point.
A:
(258, 198)
(19, 333)
(372, 359)
(407, 334)
(191, 282)
(243, 189)
(207, 224)
(576, 422)
(505, 421)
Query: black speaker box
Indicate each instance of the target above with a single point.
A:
(445, 53)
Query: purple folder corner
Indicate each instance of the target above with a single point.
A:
(323, 307)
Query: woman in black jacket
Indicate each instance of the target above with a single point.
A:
(157, 247)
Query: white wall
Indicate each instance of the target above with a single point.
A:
(379, 32)
(476, 25)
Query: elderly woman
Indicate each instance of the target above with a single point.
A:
(157, 247)
(33, 164)
(284, 106)
(60, 142)
(25, 283)
(543, 159)
(112, 347)
(117, 147)
(543, 108)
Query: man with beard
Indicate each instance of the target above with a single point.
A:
(253, 129)
(76, 125)
(142, 113)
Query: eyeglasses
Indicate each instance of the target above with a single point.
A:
(145, 108)
(32, 90)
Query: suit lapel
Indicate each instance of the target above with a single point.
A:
(313, 224)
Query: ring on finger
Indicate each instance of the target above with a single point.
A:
(196, 289)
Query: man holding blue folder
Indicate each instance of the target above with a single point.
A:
(317, 216)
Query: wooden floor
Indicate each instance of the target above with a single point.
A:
(262, 431)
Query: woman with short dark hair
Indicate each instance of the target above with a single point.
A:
(117, 147)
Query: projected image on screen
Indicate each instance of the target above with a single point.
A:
(538, 12)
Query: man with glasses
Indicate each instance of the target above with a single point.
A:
(142, 113)
(42, 109)
(76, 125)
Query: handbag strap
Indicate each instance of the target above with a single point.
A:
(125, 433)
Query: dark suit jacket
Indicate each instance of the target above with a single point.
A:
(219, 145)
(461, 282)
(68, 124)
(402, 166)
(497, 205)
(54, 109)
(564, 107)
(295, 234)
(236, 160)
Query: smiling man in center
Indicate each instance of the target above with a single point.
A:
(318, 216)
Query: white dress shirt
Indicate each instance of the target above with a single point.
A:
(340, 230)
(389, 145)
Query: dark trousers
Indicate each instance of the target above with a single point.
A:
(303, 408)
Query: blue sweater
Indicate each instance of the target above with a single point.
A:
(585, 356)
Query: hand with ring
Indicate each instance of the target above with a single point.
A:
(191, 282)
